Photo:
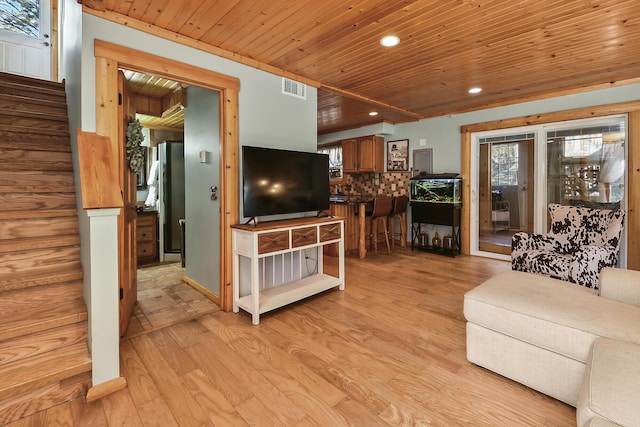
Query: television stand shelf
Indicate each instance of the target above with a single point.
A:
(275, 255)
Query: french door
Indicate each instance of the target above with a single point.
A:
(516, 173)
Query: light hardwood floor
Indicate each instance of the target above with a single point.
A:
(387, 351)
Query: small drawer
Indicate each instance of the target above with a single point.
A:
(144, 234)
(143, 220)
(330, 232)
(145, 250)
(272, 242)
(304, 236)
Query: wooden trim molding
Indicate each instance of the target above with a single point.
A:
(632, 109)
(105, 389)
(201, 289)
(633, 191)
(109, 57)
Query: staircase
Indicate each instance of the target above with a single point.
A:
(44, 359)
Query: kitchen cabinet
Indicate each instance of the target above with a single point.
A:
(363, 155)
(350, 155)
(147, 237)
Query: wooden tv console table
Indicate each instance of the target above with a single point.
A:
(275, 256)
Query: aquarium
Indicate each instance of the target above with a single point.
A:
(436, 188)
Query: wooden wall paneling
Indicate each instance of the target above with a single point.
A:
(148, 105)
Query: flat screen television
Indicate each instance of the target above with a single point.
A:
(278, 182)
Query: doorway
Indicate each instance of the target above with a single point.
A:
(505, 192)
(177, 119)
(109, 58)
(25, 38)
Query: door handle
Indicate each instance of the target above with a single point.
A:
(214, 193)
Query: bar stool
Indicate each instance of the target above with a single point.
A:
(381, 210)
(399, 212)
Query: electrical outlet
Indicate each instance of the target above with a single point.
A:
(393, 187)
(423, 141)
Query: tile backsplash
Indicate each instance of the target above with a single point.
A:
(375, 184)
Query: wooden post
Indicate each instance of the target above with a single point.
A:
(362, 250)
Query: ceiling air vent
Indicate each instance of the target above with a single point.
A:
(294, 88)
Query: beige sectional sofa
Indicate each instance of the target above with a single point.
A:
(540, 332)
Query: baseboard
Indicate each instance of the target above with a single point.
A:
(204, 291)
(105, 389)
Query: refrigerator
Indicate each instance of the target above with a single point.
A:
(171, 198)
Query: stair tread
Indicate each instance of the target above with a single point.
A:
(29, 100)
(37, 371)
(17, 129)
(39, 115)
(31, 81)
(47, 275)
(35, 85)
(42, 317)
(41, 342)
(38, 242)
(38, 213)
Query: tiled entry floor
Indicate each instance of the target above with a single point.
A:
(164, 299)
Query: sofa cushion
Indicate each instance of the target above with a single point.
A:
(558, 316)
(611, 384)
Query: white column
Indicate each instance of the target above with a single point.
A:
(102, 303)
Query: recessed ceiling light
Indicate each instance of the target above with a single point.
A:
(389, 41)
(373, 113)
(475, 90)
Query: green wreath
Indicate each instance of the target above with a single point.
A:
(135, 152)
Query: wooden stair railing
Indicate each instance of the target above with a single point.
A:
(44, 357)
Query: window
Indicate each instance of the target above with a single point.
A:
(585, 164)
(335, 160)
(504, 164)
(582, 145)
(20, 16)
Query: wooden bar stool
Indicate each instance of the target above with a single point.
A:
(399, 212)
(381, 210)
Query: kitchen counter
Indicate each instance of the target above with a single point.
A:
(350, 207)
(350, 200)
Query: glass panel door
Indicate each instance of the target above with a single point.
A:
(585, 165)
(505, 202)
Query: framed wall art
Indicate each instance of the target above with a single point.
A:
(398, 155)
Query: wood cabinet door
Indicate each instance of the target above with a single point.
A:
(371, 154)
(349, 155)
(366, 154)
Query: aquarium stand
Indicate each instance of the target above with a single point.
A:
(423, 213)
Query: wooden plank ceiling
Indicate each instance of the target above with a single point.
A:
(514, 49)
